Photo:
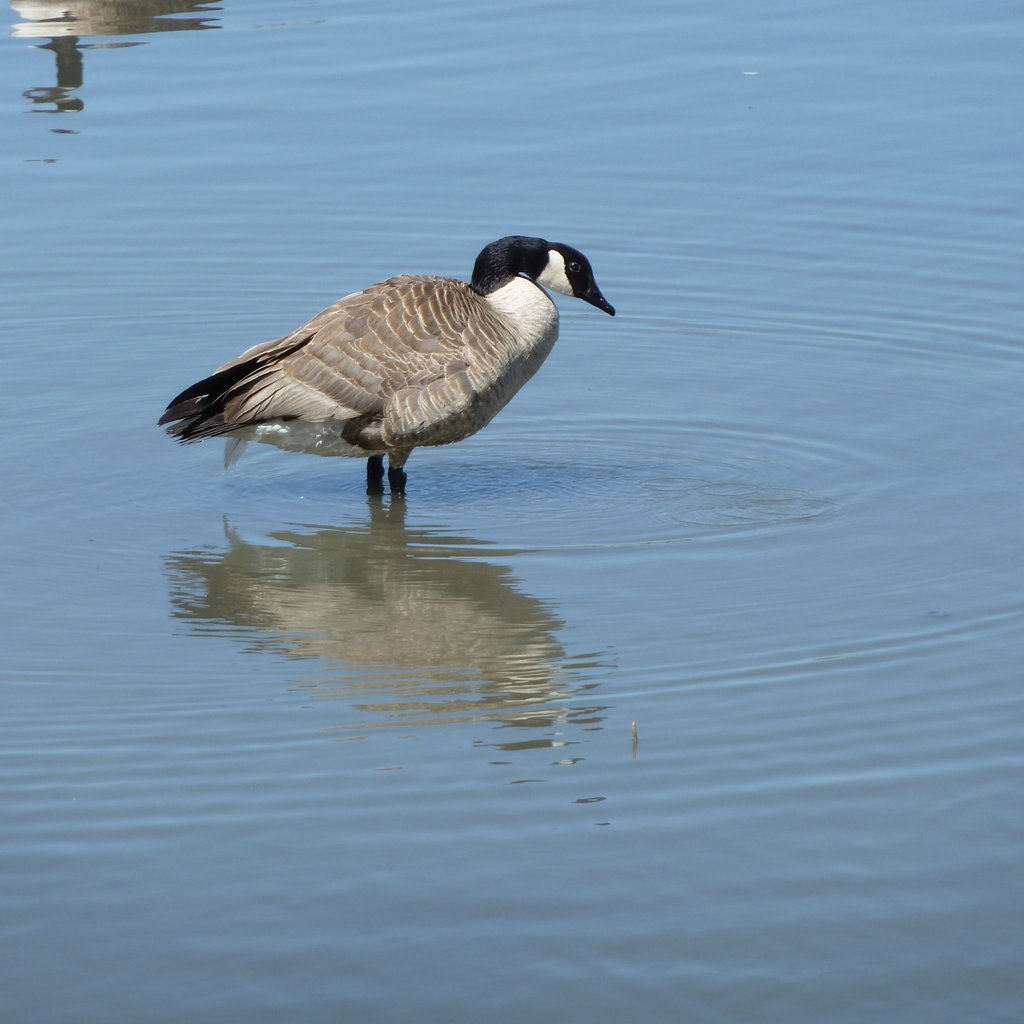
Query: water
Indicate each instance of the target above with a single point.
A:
(274, 751)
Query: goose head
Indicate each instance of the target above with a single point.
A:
(552, 265)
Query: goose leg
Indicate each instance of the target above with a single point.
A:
(375, 474)
(396, 474)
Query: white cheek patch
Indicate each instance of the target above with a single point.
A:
(553, 275)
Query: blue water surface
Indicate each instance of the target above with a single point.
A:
(275, 751)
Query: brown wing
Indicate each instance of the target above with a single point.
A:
(397, 349)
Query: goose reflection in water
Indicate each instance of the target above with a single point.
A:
(64, 24)
(423, 632)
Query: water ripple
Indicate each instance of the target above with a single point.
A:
(695, 479)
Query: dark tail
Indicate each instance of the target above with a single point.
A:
(198, 411)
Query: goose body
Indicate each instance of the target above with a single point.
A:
(412, 361)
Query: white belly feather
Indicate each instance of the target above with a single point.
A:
(294, 436)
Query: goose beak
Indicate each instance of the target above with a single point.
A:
(595, 298)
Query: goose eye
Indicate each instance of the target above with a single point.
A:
(574, 268)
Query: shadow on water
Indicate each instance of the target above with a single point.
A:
(65, 24)
(412, 630)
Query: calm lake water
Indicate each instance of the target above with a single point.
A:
(275, 752)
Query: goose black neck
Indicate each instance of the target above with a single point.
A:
(507, 258)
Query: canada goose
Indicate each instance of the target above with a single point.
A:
(414, 360)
